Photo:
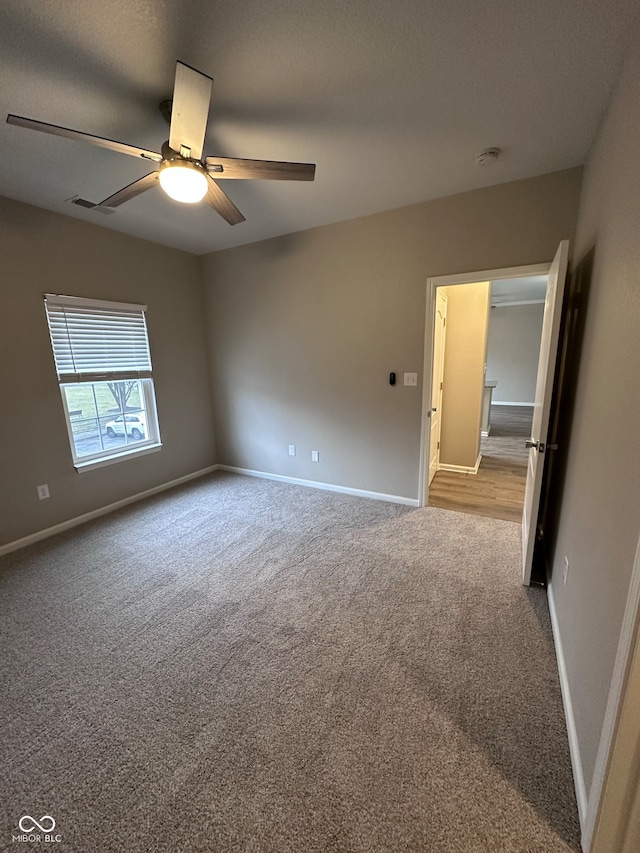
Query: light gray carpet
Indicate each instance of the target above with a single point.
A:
(244, 665)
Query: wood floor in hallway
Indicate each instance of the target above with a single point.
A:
(497, 490)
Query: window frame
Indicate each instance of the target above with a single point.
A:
(92, 377)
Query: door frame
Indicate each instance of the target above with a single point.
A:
(443, 297)
(603, 816)
(427, 368)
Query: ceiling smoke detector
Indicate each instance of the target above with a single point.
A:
(487, 157)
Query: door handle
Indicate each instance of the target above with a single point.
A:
(530, 443)
(434, 409)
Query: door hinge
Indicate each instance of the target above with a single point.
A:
(441, 386)
(438, 445)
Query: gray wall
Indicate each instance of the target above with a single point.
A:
(600, 513)
(305, 329)
(512, 354)
(45, 252)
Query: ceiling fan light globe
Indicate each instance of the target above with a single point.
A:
(183, 181)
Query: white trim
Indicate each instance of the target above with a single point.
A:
(614, 702)
(427, 393)
(81, 302)
(509, 403)
(103, 461)
(461, 469)
(327, 487)
(96, 513)
(574, 748)
(432, 284)
(492, 275)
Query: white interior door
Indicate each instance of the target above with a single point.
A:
(544, 387)
(439, 335)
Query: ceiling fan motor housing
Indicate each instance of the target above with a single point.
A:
(165, 110)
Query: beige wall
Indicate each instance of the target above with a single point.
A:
(46, 252)
(463, 384)
(600, 511)
(305, 329)
(513, 350)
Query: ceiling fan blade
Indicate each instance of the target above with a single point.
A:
(120, 147)
(189, 110)
(131, 191)
(270, 170)
(222, 204)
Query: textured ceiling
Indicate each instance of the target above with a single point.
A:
(392, 101)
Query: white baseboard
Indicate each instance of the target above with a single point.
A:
(104, 510)
(461, 469)
(96, 513)
(508, 403)
(574, 749)
(327, 487)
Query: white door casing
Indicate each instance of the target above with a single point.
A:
(542, 405)
(439, 337)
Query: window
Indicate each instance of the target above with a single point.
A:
(102, 357)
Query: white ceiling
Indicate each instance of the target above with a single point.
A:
(507, 291)
(392, 101)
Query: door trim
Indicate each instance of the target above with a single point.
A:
(427, 368)
(442, 303)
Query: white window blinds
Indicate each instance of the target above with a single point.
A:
(94, 340)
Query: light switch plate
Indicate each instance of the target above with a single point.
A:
(411, 379)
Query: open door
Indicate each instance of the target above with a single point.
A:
(537, 444)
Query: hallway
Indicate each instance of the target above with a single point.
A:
(497, 490)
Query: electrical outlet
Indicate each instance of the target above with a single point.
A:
(315, 456)
(292, 450)
(411, 379)
(43, 491)
(565, 571)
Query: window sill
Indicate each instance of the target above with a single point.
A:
(103, 461)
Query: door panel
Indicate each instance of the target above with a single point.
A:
(542, 406)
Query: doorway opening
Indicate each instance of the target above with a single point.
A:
(537, 443)
(482, 451)
(482, 413)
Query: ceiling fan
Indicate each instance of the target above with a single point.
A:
(180, 169)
